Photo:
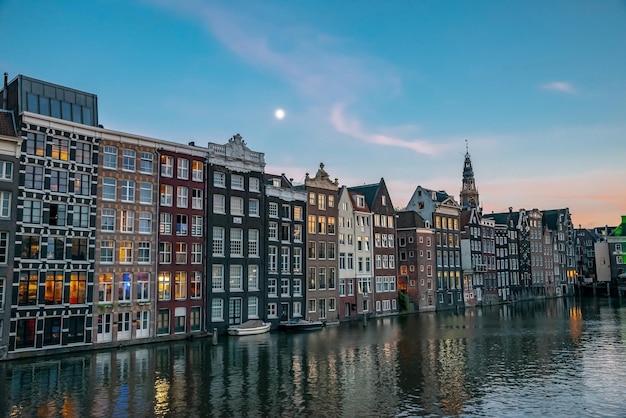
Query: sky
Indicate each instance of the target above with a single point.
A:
(371, 89)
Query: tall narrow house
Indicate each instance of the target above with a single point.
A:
(55, 239)
(384, 295)
(237, 258)
(322, 291)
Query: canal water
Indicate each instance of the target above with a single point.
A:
(560, 357)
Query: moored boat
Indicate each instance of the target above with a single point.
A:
(252, 327)
(294, 325)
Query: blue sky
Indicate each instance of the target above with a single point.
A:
(371, 89)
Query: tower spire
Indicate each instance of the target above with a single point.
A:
(469, 194)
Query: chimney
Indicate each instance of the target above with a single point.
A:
(5, 100)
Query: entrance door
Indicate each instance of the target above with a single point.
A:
(284, 311)
(143, 329)
(234, 311)
(105, 334)
(322, 308)
(123, 326)
(346, 309)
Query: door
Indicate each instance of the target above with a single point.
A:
(105, 333)
(123, 326)
(284, 311)
(143, 319)
(322, 308)
(234, 311)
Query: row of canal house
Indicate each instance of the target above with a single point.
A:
(108, 238)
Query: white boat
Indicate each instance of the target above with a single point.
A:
(295, 325)
(252, 327)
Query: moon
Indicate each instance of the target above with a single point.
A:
(279, 114)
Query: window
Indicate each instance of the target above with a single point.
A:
(297, 260)
(146, 163)
(253, 307)
(167, 166)
(219, 179)
(217, 310)
(78, 287)
(182, 169)
(167, 195)
(143, 252)
(60, 149)
(218, 241)
(82, 184)
(196, 253)
(253, 207)
(217, 277)
(196, 285)
(145, 222)
(106, 251)
(273, 231)
(273, 210)
(164, 283)
(271, 310)
(109, 157)
(182, 227)
(54, 288)
(163, 322)
(124, 288)
(33, 178)
(180, 285)
(197, 199)
(219, 203)
(321, 202)
(109, 188)
(297, 213)
(126, 252)
(181, 253)
(253, 243)
(321, 225)
(254, 184)
(143, 286)
(236, 182)
(27, 291)
(182, 197)
(105, 287)
(6, 170)
(81, 216)
(236, 277)
(197, 226)
(56, 248)
(284, 287)
(59, 182)
(236, 242)
(253, 277)
(297, 287)
(197, 170)
(145, 193)
(331, 226)
(107, 220)
(128, 160)
(165, 252)
(271, 287)
(165, 223)
(5, 204)
(272, 262)
(127, 220)
(236, 205)
(4, 247)
(284, 259)
(30, 246)
(297, 233)
(312, 307)
(285, 232)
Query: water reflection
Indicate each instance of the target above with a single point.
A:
(557, 357)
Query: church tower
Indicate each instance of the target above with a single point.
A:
(469, 194)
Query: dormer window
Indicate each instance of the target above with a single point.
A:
(360, 201)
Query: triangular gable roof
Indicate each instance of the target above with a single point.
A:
(410, 219)
(353, 201)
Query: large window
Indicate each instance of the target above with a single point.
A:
(32, 211)
(60, 149)
(33, 178)
(197, 226)
(107, 220)
(27, 291)
(217, 277)
(254, 184)
(181, 253)
(81, 216)
(165, 223)
(217, 310)
(30, 246)
(167, 166)
(54, 288)
(82, 184)
(145, 222)
(6, 170)
(197, 170)
(253, 243)
(196, 285)
(129, 157)
(218, 241)
(165, 253)
(59, 181)
(182, 227)
(180, 285)
(56, 248)
(219, 203)
(253, 277)
(5, 204)
(109, 157)
(146, 165)
(109, 188)
(196, 253)
(164, 285)
(167, 195)
(58, 214)
(126, 252)
(197, 198)
(127, 221)
(182, 169)
(4, 247)
(107, 248)
(143, 286)
(145, 192)
(128, 191)
(236, 277)
(237, 182)
(236, 206)
(105, 287)
(78, 287)
(236, 242)
(36, 144)
(182, 197)
(219, 179)
(143, 252)
(124, 288)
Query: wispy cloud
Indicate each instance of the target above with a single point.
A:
(352, 126)
(560, 86)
